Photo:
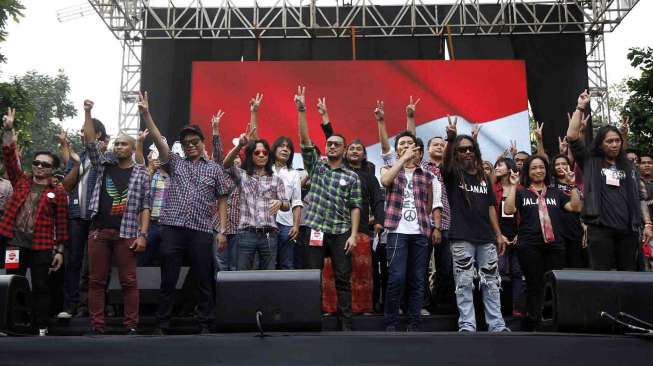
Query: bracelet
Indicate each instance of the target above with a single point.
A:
(142, 235)
(580, 109)
(301, 108)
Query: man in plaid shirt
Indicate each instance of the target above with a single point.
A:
(36, 210)
(187, 218)
(334, 210)
(120, 215)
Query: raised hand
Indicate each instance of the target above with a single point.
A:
(563, 145)
(583, 122)
(75, 157)
(8, 119)
(514, 177)
(62, 138)
(300, 97)
(570, 175)
(215, 119)
(379, 112)
(538, 131)
(475, 131)
(452, 127)
(143, 103)
(88, 105)
(583, 100)
(513, 148)
(624, 125)
(255, 102)
(410, 154)
(142, 135)
(411, 107)
(321, 106)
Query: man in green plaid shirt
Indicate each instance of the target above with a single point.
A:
(333, 212)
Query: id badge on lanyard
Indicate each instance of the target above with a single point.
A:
(12, 258)
(317, 238)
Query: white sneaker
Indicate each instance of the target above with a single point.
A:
(424, 312)
(64, 315)
(43, 332)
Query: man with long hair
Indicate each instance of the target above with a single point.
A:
(262, 196)
(614, 208)
(475, 236)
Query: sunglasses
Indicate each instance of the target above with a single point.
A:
(334, 143)
(260, 153)
(465, 149)
(41, 164)
(193, 142)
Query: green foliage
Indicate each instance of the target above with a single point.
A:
(8, 9)
(639, 106)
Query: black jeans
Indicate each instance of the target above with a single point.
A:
(444, 284)
(575, 253)
(198, 245)
(38, 261)
(78, 230)
(334, 246)
(610, 248)
(535, 260)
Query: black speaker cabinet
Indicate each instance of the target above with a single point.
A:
(16, 315)
(574, 300)
(288, 300)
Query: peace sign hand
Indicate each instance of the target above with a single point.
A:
(255, 102)
(143, 103)
(321, 106)
(624, 125)
(583, 122)
(570, 175)
(142, 135)
(513, 148)
(514, 177)
(215, 119)
(411, 107)
(563, 145)
(300, 97)
(538, 131)
(379, 113)
(452, 127)
(475, 131)
(8, 119)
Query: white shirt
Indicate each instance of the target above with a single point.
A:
(409, 224)
(292, 183)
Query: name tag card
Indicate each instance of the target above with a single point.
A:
(611, 178)
(12, 258)
(317, 238)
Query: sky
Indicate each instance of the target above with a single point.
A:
(91, 56)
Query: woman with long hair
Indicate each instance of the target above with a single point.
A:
(508, 262)
(572, 229)
(540, 247)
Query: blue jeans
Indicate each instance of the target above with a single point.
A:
(250, 243)
(227, 259)
(407, 259)
(78, 230)
(285, 248)
(469, 261)
(150, 257)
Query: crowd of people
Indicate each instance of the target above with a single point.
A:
(439, 224)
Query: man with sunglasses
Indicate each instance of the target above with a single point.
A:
(186, 220)
(36, 210)
(120, 215)
(334, 210)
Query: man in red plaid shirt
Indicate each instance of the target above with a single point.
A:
(35, 220)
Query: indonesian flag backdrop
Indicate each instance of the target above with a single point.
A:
(491, 94)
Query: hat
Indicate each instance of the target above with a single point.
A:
(191, 130)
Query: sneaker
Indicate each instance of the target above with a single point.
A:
(132, 332)
(424, 312)
(82, 312)
(66, 314)
(160, 332)
(43, 332)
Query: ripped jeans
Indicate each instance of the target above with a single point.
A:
(470, 261)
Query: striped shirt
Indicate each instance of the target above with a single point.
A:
(256, 192)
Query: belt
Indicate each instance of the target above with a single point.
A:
(260, 230)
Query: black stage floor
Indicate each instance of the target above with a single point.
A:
(331, 348)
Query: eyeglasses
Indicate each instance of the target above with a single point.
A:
(334, 143)
(41, 164)
(260, 153)
(193, 142)
(465, 149)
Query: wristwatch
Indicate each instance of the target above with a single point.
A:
(142, 235)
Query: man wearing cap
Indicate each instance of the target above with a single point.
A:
(196, 183)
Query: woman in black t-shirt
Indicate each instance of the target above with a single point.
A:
(572, 229)
(540, 246)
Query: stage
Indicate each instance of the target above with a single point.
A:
(328, 348)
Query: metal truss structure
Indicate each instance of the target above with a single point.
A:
(133, 21)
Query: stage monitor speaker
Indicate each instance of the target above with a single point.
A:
(16, 315)
(574, 300)
(288, 300)
(149, 285)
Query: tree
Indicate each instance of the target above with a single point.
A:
(8, 9)
(639, 106)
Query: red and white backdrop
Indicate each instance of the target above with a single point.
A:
(488, 93)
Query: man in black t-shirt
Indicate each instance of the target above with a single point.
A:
(474, 231)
